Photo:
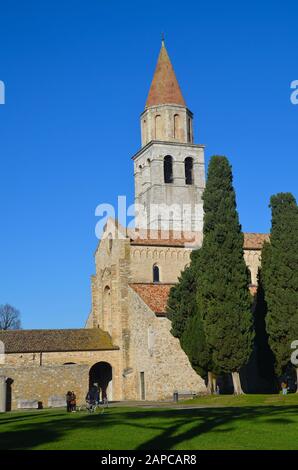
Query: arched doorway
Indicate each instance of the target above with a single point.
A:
(9, 383)
(101, 374)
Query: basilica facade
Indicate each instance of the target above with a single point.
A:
(126, 347)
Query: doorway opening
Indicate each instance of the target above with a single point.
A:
(142, 381)
(100, 376)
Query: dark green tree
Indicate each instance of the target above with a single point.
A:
(182, 299)
(223, 278)
(186, 320)
(193, 342)
(264, 354)
(280, 279)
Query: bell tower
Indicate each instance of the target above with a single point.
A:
(169, 168)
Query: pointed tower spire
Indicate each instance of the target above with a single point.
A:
(164, 87)
(169, 168)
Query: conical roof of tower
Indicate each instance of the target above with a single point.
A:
(164, 87)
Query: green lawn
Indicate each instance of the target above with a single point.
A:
(223, 422)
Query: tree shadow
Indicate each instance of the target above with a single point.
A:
(171, 427)
(211, 419)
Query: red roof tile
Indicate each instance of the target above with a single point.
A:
(255, 241)
(252, 241)
(154, 295)
(164, 87)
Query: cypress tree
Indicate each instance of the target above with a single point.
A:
(186, 321)
(223, 278)
(264, 354)
(182, 299)
(193, 342)
(280, 279)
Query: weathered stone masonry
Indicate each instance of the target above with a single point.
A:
(127, 330)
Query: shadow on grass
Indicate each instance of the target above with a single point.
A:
(167, 428)
(15, 417)
(210, 420)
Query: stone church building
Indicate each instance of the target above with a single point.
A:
(126, 346)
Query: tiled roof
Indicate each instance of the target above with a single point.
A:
(164, 87)
(255, 241)
(154, 295)
(252, 241)
(22, 341)
(165, 238)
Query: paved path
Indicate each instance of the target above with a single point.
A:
(156, 404)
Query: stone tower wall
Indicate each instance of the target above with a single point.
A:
(171, 123)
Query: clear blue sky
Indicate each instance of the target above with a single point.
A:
(77, 74)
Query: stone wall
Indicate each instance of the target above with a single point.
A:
(39, 376)
(177, 201)
(170, 260)
(40, 383)
(167, 122)
(253, 261)
(156, 353)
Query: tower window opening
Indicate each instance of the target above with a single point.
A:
(168, 169)
(145, 130)
(176, 126)
(189, 137)
(158, 132)
(142, 383)
(188, 166)
(110, 242)
(155, 273)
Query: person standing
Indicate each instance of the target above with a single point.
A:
(68, 402)
(284, 388)
(73, 401)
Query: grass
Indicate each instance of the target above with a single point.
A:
(221, 422)
(245, 400)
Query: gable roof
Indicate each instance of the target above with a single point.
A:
(252, 241)
(154, 295)
(83, 339)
